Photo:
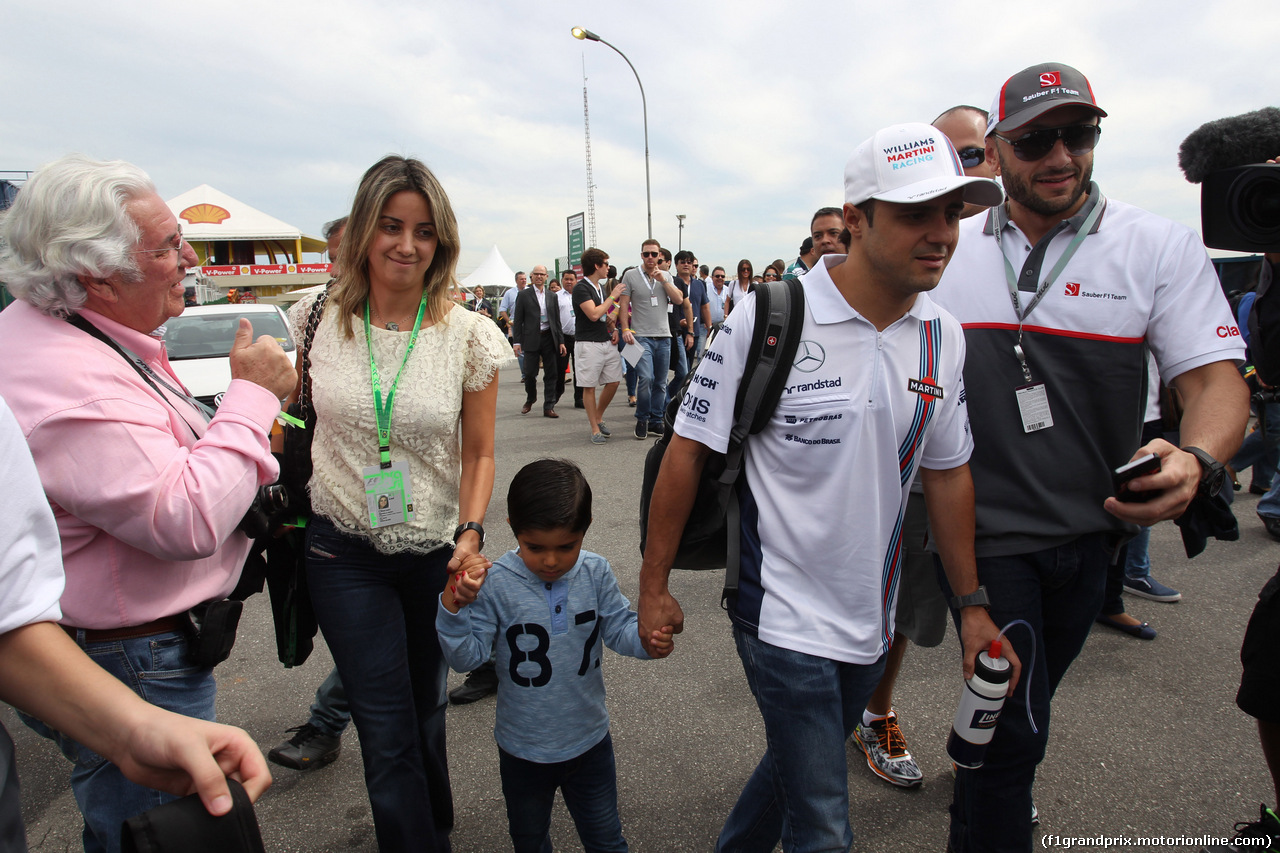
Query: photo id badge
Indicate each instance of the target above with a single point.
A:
(1033, 404)
(653, 302)
(389, 494)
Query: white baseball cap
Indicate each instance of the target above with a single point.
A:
(911, 163)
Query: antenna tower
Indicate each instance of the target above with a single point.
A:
(591, 186)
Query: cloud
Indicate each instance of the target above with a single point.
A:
(753, 107)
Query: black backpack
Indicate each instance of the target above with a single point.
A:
(710, 539)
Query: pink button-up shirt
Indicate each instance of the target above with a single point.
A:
(146, 508)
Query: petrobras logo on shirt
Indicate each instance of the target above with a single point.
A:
(800, 419)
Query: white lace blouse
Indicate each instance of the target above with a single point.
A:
(461, 353)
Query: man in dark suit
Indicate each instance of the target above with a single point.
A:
(536, 335)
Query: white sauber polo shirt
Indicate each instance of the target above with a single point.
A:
(825, 483)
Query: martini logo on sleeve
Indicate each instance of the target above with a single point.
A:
(925, 387)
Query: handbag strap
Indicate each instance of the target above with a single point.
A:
(308, 337)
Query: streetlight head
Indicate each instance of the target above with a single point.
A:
(580, 33)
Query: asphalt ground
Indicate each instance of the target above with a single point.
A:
(1146, 739)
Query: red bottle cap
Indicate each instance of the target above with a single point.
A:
(994, 651)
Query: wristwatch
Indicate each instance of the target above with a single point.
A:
(470, 525)
(978, 597)
(1213, 473)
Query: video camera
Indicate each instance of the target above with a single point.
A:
(1240, 196)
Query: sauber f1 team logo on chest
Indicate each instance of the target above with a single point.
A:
(925, 387)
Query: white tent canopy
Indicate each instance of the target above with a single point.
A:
(209, 214)
(492, 273)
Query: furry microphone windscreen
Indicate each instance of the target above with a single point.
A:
(1241, 140)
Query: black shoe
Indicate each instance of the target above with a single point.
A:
(308, 749)
(656, 428)
(1267, 826)
(642, 431)
(481, 682)
(1272, 523)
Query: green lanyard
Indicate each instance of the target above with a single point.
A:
(384, 411)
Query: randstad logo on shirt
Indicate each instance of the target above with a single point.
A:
(925, 387)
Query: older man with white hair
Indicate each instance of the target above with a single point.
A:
(147, 486)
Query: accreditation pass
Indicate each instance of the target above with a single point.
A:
(388, 494)
(1033, 404)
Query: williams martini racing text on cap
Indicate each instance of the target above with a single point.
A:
(909, 164)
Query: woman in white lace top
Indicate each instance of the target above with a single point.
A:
(404, 384)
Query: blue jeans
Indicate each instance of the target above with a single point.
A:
(1059, 591)
(590, 787)
(799, 793)
(1260, 449)
(679, 369)
(330, 712)
(377, 612)
(1137, 563)
(651, 378)
(157, 669)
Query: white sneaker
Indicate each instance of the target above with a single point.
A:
(886, 751)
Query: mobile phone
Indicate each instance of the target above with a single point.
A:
(1140, 467)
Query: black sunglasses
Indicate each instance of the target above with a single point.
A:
(971, 156)
(650, 254)
(1078, 138)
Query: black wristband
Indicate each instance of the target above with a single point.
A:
(470, 525)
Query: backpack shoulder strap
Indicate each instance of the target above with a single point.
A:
(779, 320)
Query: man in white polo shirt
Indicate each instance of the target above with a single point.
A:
(875, 393)
(1062, 293)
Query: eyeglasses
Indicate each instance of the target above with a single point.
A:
(1078, 138)
(971, 156)
(650, 254)
(162, 249)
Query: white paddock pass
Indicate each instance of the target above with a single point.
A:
(1033, 404)
(388, 493)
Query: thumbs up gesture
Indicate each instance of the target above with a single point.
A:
(262, 362)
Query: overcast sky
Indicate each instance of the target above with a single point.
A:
(753, 106)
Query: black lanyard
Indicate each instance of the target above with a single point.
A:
(144, 370)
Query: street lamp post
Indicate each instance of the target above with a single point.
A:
(580, 33)
(680, 239)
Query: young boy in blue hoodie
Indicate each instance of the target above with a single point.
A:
(547, 607)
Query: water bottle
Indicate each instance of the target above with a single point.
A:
(980, 705)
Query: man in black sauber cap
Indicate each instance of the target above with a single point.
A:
(1062, 293)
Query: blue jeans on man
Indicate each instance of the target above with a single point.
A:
(589, 784)
(799, 793)
(377, 612)
(1059, 591)
(157, 669)
(651, 378)
(1260, 449)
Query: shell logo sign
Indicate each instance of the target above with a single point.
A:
(205, 214)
